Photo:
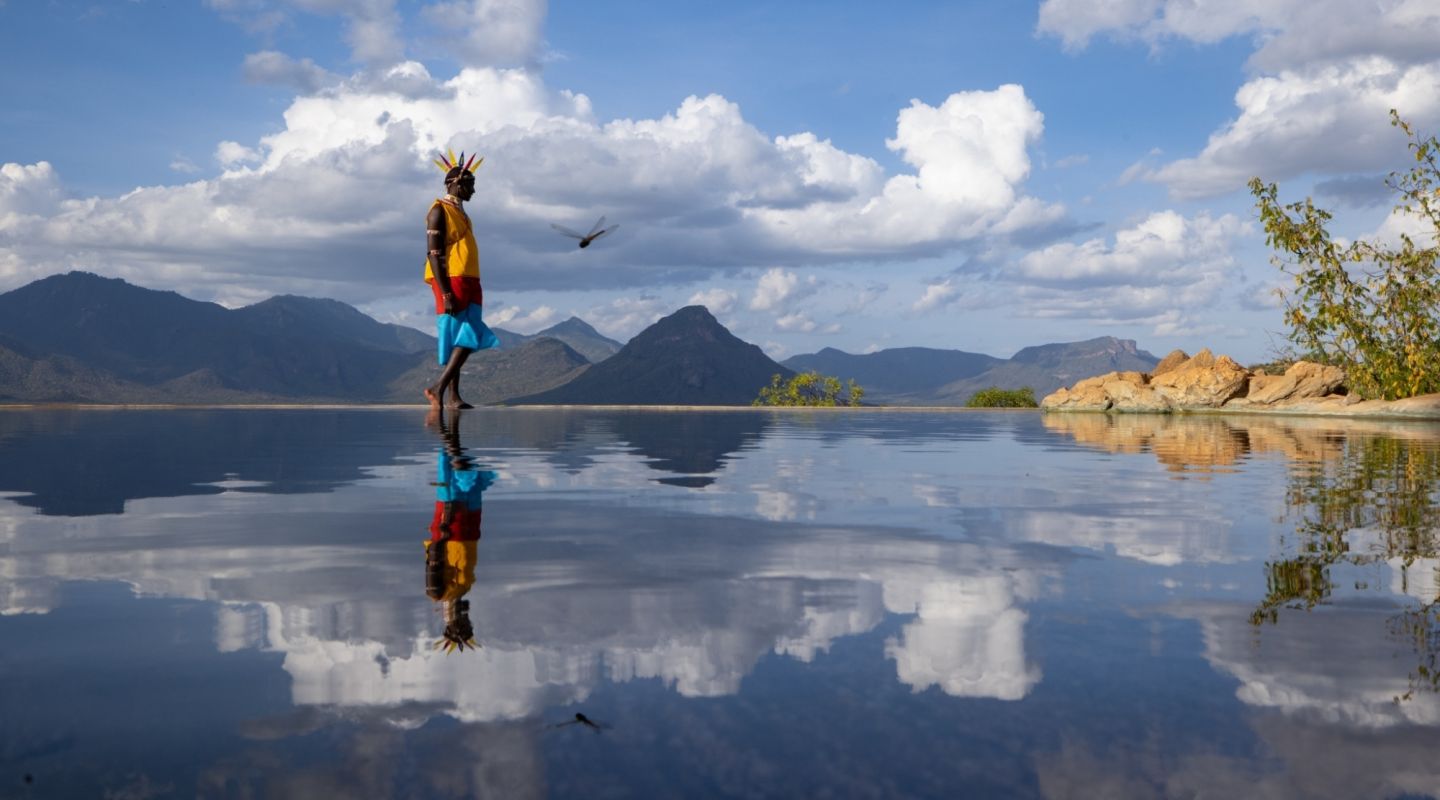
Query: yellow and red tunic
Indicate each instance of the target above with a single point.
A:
(463, 262)
(460, 539)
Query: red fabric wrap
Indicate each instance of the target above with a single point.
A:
(464, 525)
(466, 291)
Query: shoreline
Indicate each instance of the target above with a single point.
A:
(1399, 410)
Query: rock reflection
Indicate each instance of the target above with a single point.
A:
(1197, 444)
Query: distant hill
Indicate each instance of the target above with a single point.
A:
(687, 358)
(896, 372)
(495, 376)
(83, 338)
(1046, 368)
(926, 376)
(309, 316)
(575, 332)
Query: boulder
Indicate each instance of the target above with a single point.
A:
(1304, 380)
(1134, 395)
(1170, 362)
(1266, 388)
(1202, 381)
(1315, 380)
(1078, 398)
(1122, 391)
(1207, 381)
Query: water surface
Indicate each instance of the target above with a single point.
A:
(266, 603)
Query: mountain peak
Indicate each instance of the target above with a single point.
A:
(686, 358)
(574, 325)
(1099, 346)
(577, 333)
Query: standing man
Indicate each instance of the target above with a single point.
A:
(452, 268)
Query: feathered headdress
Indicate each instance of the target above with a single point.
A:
(447, 162)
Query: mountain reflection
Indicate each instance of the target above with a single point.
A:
(131, 454)
(694, 445)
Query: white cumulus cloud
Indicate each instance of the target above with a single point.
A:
(719, 301)
(521, 321)
(1287, 33)
(936, 296)
(773, 289)
(1163, 268)
(490, 32)
(1326, 73)
(1332, 118)
(342, 183)
(234, 154)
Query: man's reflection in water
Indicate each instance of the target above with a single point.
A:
(454, 532)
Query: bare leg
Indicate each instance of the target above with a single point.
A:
(449, 378)
(462, 355)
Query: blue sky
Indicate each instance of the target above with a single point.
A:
(978, 175)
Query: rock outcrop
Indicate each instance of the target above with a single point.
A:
(1207, 382)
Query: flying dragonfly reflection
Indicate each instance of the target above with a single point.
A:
(581, 719)
(596, 232)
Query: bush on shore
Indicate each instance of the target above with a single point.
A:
(809, 389)
(1371, 308)
(995, 397)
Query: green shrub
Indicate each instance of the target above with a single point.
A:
(809, 389)
(1366, 307)
(995, 397)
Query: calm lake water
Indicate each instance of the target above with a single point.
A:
(323, 603)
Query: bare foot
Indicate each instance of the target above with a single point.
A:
(458, 403)
(432, 397)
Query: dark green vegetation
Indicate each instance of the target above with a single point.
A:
(687, 358)
(1366, 306)
(995, 397)
(917, 376)
(809, 389)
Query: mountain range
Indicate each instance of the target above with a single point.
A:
(79, 337)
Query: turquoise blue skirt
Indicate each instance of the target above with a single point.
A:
(463, 329)
(468, 485)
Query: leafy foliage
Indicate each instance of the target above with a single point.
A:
(809, 389)
(995, 397)
(1366, 307)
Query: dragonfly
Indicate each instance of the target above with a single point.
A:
(596, 232)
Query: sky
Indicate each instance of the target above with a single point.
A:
(981, 176)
